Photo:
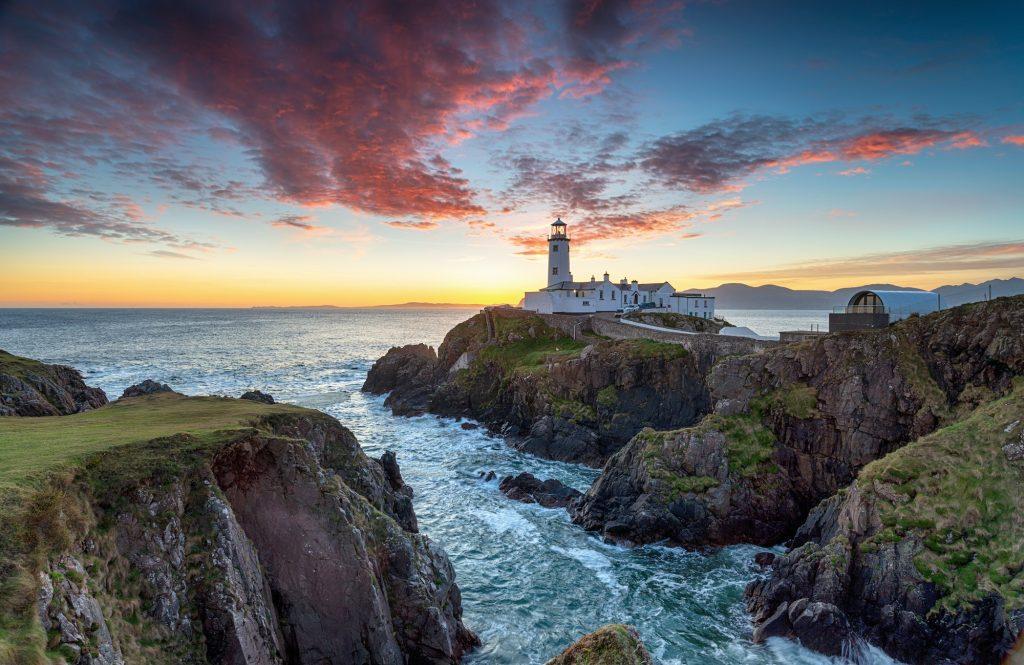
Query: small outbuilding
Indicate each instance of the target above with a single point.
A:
(877, 309)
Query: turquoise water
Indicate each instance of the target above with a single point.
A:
(531, 581)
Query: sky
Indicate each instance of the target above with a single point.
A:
(180, 153)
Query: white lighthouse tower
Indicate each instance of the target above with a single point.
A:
(558, 254)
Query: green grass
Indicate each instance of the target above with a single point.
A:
(798, 400)
(648, 348)
(32, 447)
(156, 435)
(18, 367)
(963, 500)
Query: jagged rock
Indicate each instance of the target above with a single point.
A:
(614, 644)
(764, 559)
(283, 543)
(871, 564)
(409, 374)
(528, 488)
(794, 424)
(579, 407)
(258, 396)
(32, 388)
(146, 387)
(469, 426)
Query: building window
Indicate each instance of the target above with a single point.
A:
(600, 294)
(554, 248)
(554, 271)
(614, 297)
(586, 303)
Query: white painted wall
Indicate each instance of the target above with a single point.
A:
(558, 260)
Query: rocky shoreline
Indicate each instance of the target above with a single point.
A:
(548, 394)
(771, 448)
(182, 548)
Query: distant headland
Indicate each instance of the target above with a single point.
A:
(404, 305)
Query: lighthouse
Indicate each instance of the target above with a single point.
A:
(558, 254)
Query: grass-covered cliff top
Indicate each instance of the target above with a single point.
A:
(958, 492)
(30, 448)
(18, 367)
(156, 434)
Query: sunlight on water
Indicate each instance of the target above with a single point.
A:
(531, 581)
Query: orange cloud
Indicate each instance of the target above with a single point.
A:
(1014, 140)
(420, 225)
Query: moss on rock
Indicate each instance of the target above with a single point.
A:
(614, 644)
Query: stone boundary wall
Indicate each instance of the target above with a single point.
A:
(717, 345)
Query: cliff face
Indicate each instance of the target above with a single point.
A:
(922, 555)
(550, 395)
(795, 424)
(276, 541)
(31, 388)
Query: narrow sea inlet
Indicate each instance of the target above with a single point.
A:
(531, 581)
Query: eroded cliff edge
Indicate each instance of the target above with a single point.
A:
(174, 529)
(572, 400)
(792, 426)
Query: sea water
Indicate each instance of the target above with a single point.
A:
(531, 581)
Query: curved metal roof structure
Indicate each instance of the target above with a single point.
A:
(900, 304)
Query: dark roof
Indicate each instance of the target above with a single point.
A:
(558, 222)
(691, 295)
(651, 286)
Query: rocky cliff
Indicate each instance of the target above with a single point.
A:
(923, 555)
(213, 530)
(565, 399)
(31, 388)
(793, 425)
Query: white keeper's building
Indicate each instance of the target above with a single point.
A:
(563, 295)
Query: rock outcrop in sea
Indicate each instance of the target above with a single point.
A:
(528, 488)
(550, 395)
(31, 388)
(614, 644)
(241, 533)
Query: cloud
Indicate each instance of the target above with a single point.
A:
(716, 156)
(299, 222)
(856, 170)
(421, 225)
(350, 104)
(26, 201)
(935, 260)
(1014, 140)
(633, 226)
(167, 254)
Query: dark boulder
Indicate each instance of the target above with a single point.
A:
(528, 488)
(147, 387)
(258, 396)
(409, 374)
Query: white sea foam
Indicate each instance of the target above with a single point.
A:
(594, 561)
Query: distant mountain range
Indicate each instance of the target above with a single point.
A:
(769, 296)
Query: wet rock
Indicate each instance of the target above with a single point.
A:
(487, 476)
(409, 373)
(614, 644)
(528, 488)
(764, 559)
(147, 387)
(469, 426)
(258, 396)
